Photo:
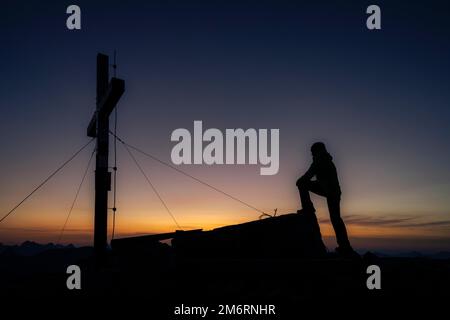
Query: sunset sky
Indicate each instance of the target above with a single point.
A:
(378, 99)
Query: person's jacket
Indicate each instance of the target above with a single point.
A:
(325, 172)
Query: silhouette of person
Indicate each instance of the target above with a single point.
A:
(326, 185)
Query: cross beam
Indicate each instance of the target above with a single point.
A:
(108, 94)
(114, 92)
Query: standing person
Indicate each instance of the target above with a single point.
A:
(326, 185)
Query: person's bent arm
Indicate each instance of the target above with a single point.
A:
(309, 174)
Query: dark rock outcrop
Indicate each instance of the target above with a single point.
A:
(286, 236)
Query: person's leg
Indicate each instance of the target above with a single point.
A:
(337, 222)
(304, 187)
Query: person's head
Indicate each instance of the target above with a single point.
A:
(318, 149)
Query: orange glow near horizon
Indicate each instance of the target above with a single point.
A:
(46, 228)
(197, 207)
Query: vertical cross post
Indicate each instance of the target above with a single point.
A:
(102, 175)
(108, 94)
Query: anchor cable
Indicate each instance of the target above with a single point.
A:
(76, 196)
(114, 209)
(188, 175)
(46, 180)
(151, 185)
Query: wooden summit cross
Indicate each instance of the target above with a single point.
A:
(108, 94)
